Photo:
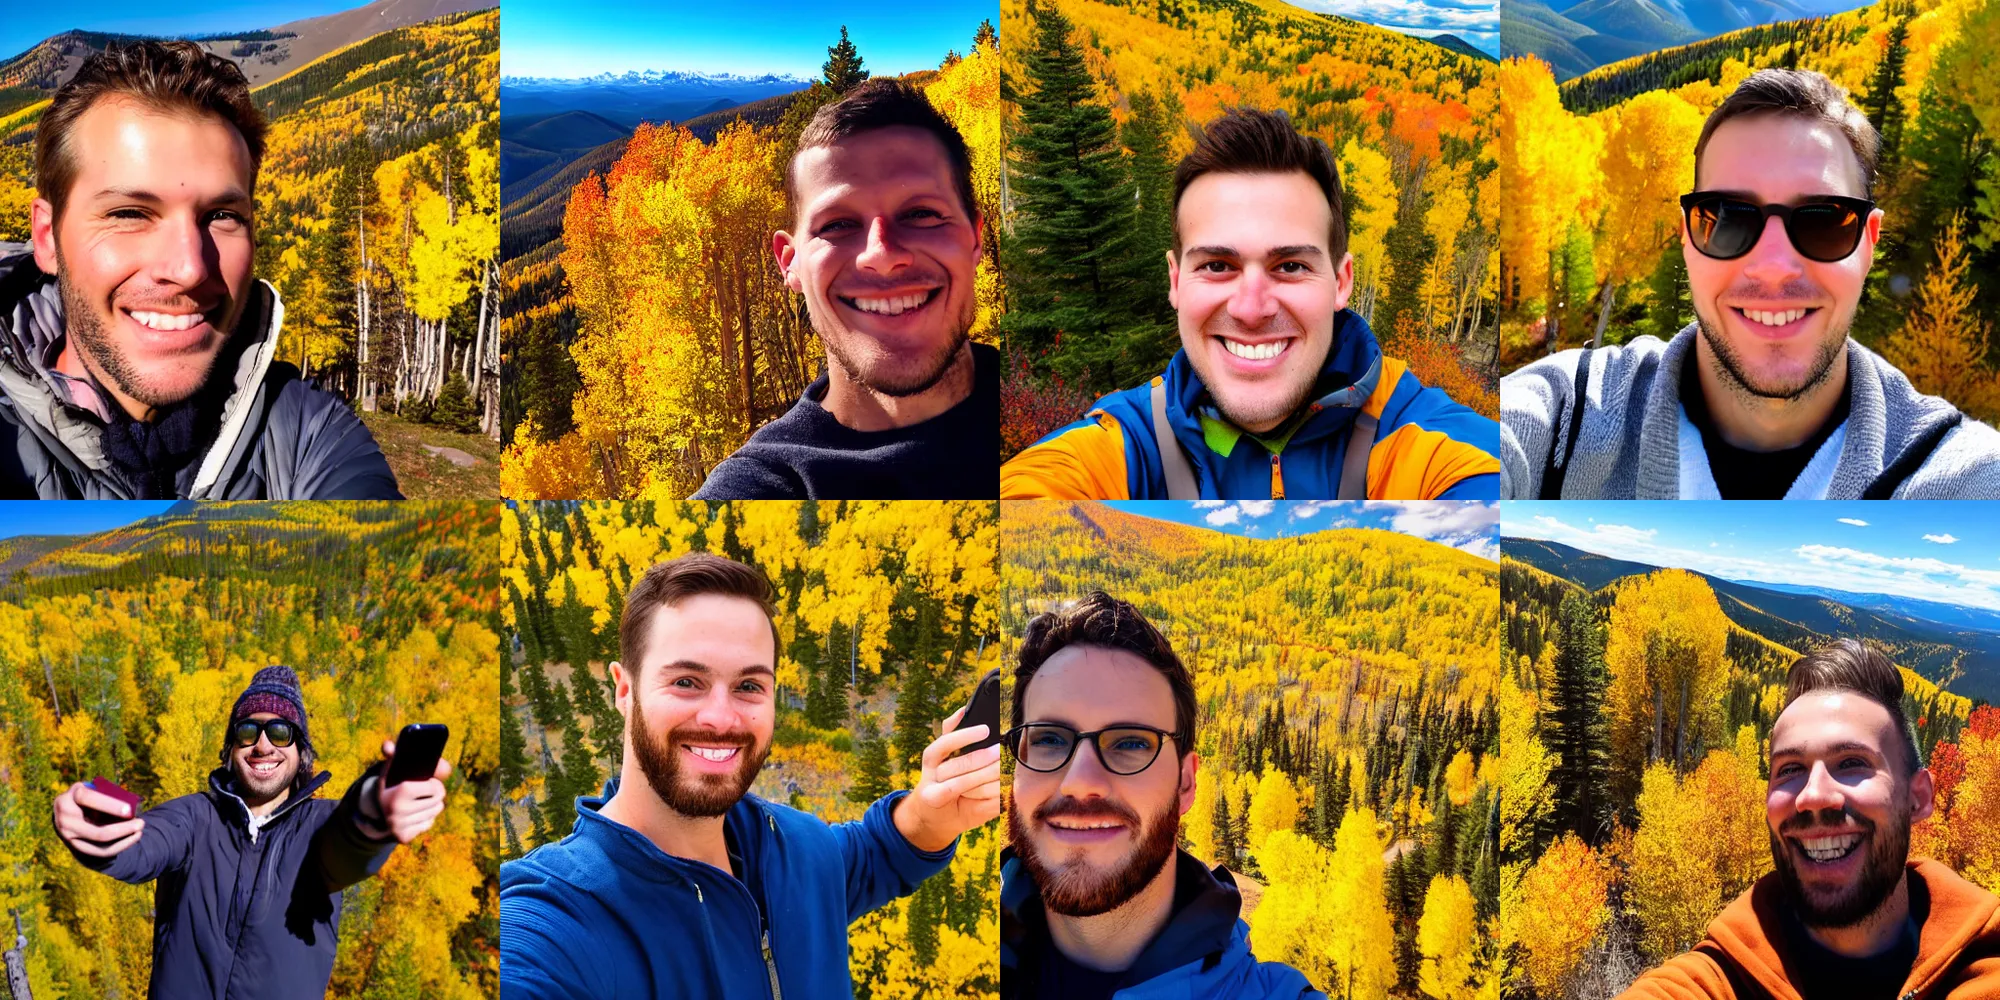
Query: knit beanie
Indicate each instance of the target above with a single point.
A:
(275, 689)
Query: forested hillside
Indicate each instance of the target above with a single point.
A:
(120, 655)
(651, 341)
(1635, 727)
(378, 219)
(1102, 97)
(885, 628)
(1349, 728)
(1593, 171)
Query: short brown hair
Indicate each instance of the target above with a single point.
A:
(1248, 141)
(1848, 665)
(1103, 620)
(1798, 93)
(175, 77)
(676, 580)
(883, 102)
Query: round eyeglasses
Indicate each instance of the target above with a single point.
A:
(1123, 750)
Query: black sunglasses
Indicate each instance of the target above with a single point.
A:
(1826, 229)
(1124, 750)
(281, 733)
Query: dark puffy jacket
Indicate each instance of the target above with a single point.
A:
(279, 439)
(237, 918)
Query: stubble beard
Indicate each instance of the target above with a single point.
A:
(1888, 851)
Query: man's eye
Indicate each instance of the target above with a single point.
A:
(126, 213)
(1292, 267)
(750, 687)
(924, 215)
(684, 683)
(1213, 266)
(229, 218)
(836, 226)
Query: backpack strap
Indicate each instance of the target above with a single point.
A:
(1354, 465)
(1173, 461)
(1553, 473)
(1912, 459)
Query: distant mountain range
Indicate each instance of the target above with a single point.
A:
(263, 54)
(1958, 647)
(630, 98)
(184, 524)
(1577, 36)
(556, 132)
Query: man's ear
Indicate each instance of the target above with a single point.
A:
(784, 250)
(1923, 795)
(1190, 764)
(1343, 282)
(623, 682)
(42, 230)
(1173, 280)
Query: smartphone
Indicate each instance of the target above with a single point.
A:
(418, 748)
(984, 709)
(105, 786)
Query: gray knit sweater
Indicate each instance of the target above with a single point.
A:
(1636, 443)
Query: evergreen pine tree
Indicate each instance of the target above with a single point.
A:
(1068, 255)
(916, 713)
(1577, 726)
(1883, 108)
(985, 35)
(1225, 835)
(925, 905)
(871, 762)
(842, 69)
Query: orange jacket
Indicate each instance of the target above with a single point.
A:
(1958, 949)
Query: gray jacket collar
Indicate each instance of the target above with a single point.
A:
(31, 323)
(1861, 457)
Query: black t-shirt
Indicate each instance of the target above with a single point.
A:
(1752, 475)
(1819, 974)
(808, 454)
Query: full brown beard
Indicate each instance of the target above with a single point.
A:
(1074, 888)
(704, 795)
(1888, 849)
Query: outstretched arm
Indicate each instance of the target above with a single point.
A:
(137, 849)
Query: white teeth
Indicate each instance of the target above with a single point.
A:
(1779, 318)
(891, 307)
(1086, 826)
(166, 322)
(1829, 848)
(1256, 352)
(717, 754)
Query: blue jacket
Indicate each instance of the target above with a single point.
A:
(243, 918)
(1203, 951)
(605, 913)
(1427, 447)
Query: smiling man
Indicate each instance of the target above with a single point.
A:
(250, 872)
(1095, 897)
(678, 882)
(140, 357)
(1278, 390)
(1847, 914)
(884, 246)
(1764, 395)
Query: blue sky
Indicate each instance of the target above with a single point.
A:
(1935, 550)
(23, 23)
(1464, 525)
(571, 38)
(73, 517)
(1475, 21)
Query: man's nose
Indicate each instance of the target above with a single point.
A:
(1774, 260)
(1252, 303)
(882, 252)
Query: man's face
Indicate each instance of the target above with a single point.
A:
(1092, 839)
(1838, 806)
(262, 770)
(698, 715)
(154, 246)
(1771, 159)
(1257, 290)
(885, 255)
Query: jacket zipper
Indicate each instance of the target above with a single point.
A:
(770, 963)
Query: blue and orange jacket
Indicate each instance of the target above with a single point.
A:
(1427, 447)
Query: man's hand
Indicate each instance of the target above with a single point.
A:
(86, 837)
(408, 809)
(953, 796)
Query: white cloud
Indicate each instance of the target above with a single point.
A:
(1625, 532)
(1199, 504)
(1468, 525)
(1256, 508)
(1857, 522)
(1226, 515)
(1944, 539)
